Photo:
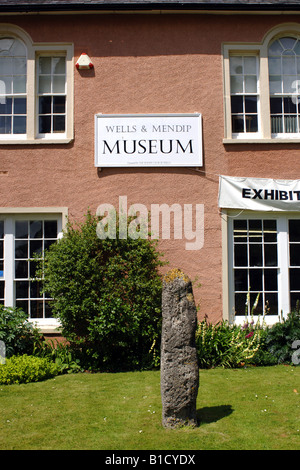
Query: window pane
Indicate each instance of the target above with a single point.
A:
(272, 303)
(236, 84)
(270, 255)
(288, 84)
(255, 255)
(236, 65)
(258, 310)
(21, 249)
(275, 48)
(58, 84)
(20, 106)
(251, 123)
(32, 268)
(59, 104)
(250, 104)
(276, 124)
(276, 105)
(19, 125)
(240, 255)
(45, 84)
(50, 228)
(44, 124)
(21, 229)
(45, 65)
(295, 279)
(270, 276)
(289, 105)
(1, 290)
(288, 43)
(5, 85)
(45, 105)
(289, 65)
(22, 289)
(294, 254)
(48, 310)
(35, 289)
(275, 65)
(275, 84)
(256, 277)
(5, 125)
(58, 65)
(18, 48)
(250, 65)
(21, 269)
(58, 123)
(1, 229)
(294, 230)
(19, 66)
(290, 124)
(36, 309)
(6, 106)
(36, 247)
(36, 229)
(241, 280)
(19, 84)
(240, 304)
(6, 65)
(250, 84)
(294, 299)
(23, 304)
(237, 124)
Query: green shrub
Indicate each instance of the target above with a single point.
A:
(18, 334)
(280, 337)
(62, 354)
(107, 296)
(225, 345)
(25, 369)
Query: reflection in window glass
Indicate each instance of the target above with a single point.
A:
(13, 71)
(284, 69)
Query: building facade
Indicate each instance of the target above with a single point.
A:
(186, 111)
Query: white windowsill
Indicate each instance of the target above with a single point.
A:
(278, 140)
(50, 326)
(35, 141)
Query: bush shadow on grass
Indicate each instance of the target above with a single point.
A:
(211, 414)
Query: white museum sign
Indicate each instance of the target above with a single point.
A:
(149, 140)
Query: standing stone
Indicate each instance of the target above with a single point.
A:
(179, 364)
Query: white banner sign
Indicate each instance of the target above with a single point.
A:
(259, 194)
(148, 140)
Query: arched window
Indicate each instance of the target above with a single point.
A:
(284, 81)
(13, 70)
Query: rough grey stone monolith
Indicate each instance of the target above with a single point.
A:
(179, 364)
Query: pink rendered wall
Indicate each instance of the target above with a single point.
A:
(146, 64)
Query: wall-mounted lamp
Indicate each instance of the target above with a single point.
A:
(84, 62)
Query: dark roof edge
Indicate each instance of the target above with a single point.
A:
(148, 6)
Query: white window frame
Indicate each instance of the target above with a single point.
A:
(261, 50)
(34, 51)
(283, 262)
(10, 216)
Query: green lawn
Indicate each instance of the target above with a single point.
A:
(249, 408)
